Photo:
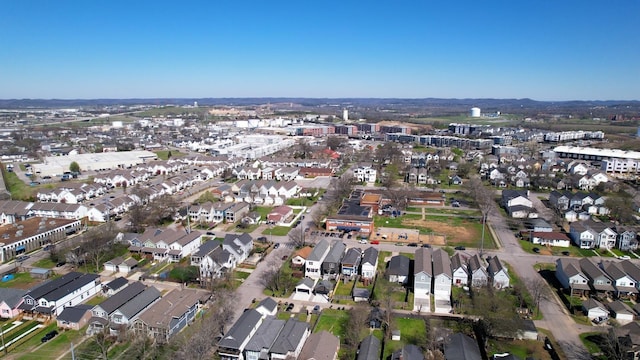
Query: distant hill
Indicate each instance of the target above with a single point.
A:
(482, 103)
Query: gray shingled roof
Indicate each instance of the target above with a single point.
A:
(139, 302)
(441, 263)
(268, 303)
(290, 336)
(319, 251)
(352, 257)
(399, 265)
(121, 297)
(370, 255)
(423, 261)
(12, 297)
(322, 345)
(73, 314)
(266, 334)
(336, 252)
(495, 266)
(117, 283)
(462, 347)
(369, 348)
(71, 287)
(241, 330)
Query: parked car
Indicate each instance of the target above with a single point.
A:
(50, 335)
(426, 245)
(536, 250)
(460, 248)
(60, 263)
(566, 253)
(399, 244)
(413, 245)
(624, 257)
(277, 245)
(289, 307)
(362, 241)
(262, 239)
(316, 309)
(375, 242)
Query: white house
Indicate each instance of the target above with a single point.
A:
(498, 273)
(369, 263)
(315, 259)
(365, 174)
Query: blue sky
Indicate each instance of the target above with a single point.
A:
(545, 50)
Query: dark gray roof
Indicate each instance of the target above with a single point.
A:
(512, 194)
(495, 266)
(121, 297)
(423, 261)
(307, 282)
(73, 314)
(49, 286)
(592, 303)
(369, 348)
(319, 251)
(268, 303)
(352, 257)
(139, 302)
(474, 264)
(619, 307)
(631, 269)
(266, 334)
(370, 255)
(462, 347)
(117, 283)
(408, 352)
(441, 263)
(71, 287)
(593, 272)
(336, 252)
(399, 265)
(457, 262)
(207, 247)
(12, 297)
(290, 336)
(241, 330)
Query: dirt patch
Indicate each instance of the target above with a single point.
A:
(545, 252)
(415, 127)
(446, 234)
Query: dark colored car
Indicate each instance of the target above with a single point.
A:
(277, 245)
(536, 250)
(566, 253)
(460, 248)
(426, 245)
(50, 335)
(61, 263)
(413, 245)
(290, 307)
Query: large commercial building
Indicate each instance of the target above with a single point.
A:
(57, 165)
(613, 161)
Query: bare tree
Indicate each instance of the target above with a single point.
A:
(539, 291)
(297, 238)
(397, 197)
(355, 328)
(386, 304)
(483, 198)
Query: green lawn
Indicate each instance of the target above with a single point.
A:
(263, 211)
(277, 231)
(332, 321)
(95, 300)
(21, 280)
(412, 331)
(45, 263)
(164, 154)
(18, 189)
(32, 340)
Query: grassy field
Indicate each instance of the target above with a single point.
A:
(95, 300)
(20, 281)
(332, 321)
(277, 231)
(412, 331)
(18, 189)
(45, 263)
(164, 154)
(590, 341)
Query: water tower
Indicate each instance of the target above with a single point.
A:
(345, 115)
(475, 112)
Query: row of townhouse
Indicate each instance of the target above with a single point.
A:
(267, 173)
(50, 298)
(291, 162)
(620, 279)
(214, 258)
(590, 234)
(457, 270)
(259, 334)
(164, 244)
(214, 213)
(578, 206)
(139, 308)
(365, 174)
(420, 176)
(71, 193)
(327, 260)
(250, 188)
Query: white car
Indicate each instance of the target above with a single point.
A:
(363, 241)
(625, 257)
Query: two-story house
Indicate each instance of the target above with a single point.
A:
(315, 259)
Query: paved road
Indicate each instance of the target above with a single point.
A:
(556, 318)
